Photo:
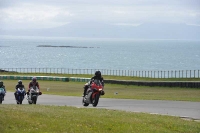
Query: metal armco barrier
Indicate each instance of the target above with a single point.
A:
(187, 84)
(77, 79)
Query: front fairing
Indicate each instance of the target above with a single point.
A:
(20, 91)
(2, 91)
(34, 91)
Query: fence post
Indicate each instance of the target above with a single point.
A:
(182, 73)
(186, 73)
(172, 73)
(168, 74)
(164, 74)
(175, 73)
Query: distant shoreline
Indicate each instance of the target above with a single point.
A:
(65, 46)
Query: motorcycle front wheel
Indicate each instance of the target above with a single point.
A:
(20, 99)
(84, 103)
(1, 99)
(95, 100)
(34, 100)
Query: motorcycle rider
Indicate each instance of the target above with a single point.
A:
(2, 86)
(96, 76)
(19, 85)
(33, 83)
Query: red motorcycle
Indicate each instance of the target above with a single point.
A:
(93, 93)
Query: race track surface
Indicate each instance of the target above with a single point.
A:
(184, 109)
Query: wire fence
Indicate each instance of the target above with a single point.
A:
(131, 73)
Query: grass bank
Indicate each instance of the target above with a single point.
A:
(60, 119)
(115, 91)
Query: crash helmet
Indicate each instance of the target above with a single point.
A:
(1, 83)
(34, 79)
(98, 73)
(20, 82)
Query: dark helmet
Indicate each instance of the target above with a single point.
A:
(20, 82)
(98, 73)
(34, 79)
(1, 83)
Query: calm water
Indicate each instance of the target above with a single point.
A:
(115, 54)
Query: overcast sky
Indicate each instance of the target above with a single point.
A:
(53, 13)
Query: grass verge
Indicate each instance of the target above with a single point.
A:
(63, 119)
(115, 91)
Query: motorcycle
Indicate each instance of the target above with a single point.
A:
(33, 95)
(2, 94)
(93, 93)
(20, 95)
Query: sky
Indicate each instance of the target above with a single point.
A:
(36, 14)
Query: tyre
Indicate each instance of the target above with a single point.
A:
(34, 100)
(20, 99)
(84, 104)
(95, 100)
(1, 99)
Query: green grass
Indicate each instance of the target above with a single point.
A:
(124, 91)
(63, 119)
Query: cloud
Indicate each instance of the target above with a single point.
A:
(127, 24)
(44, 13)
(194, 24)
(35, 14)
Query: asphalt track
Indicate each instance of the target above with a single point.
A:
(183, 109)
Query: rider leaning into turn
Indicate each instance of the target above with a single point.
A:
(33, 83)
(19, 85)
(96, 76)
(2, 86)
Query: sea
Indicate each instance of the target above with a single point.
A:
(99, 53)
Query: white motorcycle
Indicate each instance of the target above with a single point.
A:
(33, 95)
